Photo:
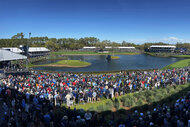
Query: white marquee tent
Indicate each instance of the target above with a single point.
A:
(6, 55)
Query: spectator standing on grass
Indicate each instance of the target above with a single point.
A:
(89, 96)
(94, 96)
(68, 99)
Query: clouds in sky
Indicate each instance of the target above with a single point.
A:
(170, 40)
(173, 40)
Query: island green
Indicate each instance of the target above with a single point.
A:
(65, 63)
(114, 57)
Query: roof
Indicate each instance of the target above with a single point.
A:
(31, 49)
(38, 49)
(126, 47)
(6, 55)
(89, 47)
(162, 46)
(109, 47)
(15, 50)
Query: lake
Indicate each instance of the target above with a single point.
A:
(100, 63)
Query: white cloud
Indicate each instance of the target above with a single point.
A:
(173, 39)
(170, 40)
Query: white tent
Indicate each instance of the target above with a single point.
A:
(14, 49)
(6, 55)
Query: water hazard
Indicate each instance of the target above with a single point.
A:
(126, 62)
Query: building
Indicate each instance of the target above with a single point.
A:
(38, 51)
(121, 49)
(6, 55)
(32, 51)
(94, 49)
(109, 48)
(126, 49)
(162, 48)
(14, 49)
(9, 68)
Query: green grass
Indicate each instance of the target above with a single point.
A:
(181, 56)
(133, 100)
(72, 52)
(166, 55)
(69, 63)
(94, 106)
(179, 64)
(114, 57)
(72, 63)
(91, 53)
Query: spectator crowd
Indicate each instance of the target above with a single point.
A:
(31, 100)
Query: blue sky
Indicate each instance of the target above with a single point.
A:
(116, 20)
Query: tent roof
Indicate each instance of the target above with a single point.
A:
(13, 49)
(163, 46)
(6, 55)
(38, 49)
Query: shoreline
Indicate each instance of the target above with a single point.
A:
(94, 54)
(69, 66)
(167, 55)
(99, 72)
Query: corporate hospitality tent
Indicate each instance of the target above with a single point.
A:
(6, 55)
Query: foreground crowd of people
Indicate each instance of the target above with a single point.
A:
(33, 100)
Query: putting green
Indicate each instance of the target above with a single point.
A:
(114, 57)
(66, 63)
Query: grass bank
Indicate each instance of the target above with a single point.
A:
(132, 100)
(64, 63)
(179, 64)
(166, 55)
(91, 53)
(181, 56)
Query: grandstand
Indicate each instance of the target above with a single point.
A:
(38, 51)
(32, 51)
(162, 48)
(109, 48)
(121, 49)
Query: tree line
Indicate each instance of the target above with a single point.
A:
(55, 44)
